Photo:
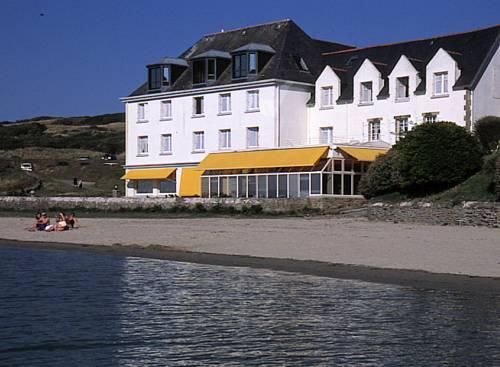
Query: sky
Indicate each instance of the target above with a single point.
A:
(69, 58)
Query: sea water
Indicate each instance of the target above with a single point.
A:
(72, 308)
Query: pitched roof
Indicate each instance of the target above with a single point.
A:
(284, 37)
(468, 49)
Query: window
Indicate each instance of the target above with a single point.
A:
(168, 186)
(374, 130)
(430, 117)
(144, 186)
(366, 93)
(141, 112)
(198, 106)
(225, 139)
(166, 143)
(402, 88)
(142, 145)
(326, 96)
(159, 76)
(244, 64)
(198, 141)
(225, 103)
(252, 136)
(301, 63)
(402, 127)
(253, 100)
(440, 83)
(166, 110)
(211, 68)
(326, 135)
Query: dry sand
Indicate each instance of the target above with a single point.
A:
(471, 251)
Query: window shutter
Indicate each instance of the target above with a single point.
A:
(445, 82)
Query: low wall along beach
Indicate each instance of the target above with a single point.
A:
(468, 213)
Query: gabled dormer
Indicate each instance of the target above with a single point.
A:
(250, 59)
(403, 79)
(208, 66)
(368, 82)
(442, 73)
(163, 73)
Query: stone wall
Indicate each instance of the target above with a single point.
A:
(320, 205)
(469, 213)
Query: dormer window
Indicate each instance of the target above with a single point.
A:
(163, 73)
(250, 59)
(440, 83)
(209, 65)
(402, 88)
(159, 76)
(301, 63)
(366, 92)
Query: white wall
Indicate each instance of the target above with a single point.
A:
(486, 95)
(183, 124)
(350, 120)
(293, 114)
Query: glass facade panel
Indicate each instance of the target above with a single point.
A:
(293, 182)
(223, 187)
(347, 185)
(167, 186)
(262, 186)
(272, 186)
(337, 184)
(144, 186)
(304, 185)
(282, 186)
(327, 183)
(204, 187)
(214, 187)
(315, 183)
(252, 186)
(232, 186)
(242, 187)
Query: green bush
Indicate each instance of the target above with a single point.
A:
(382, 176)
(487, 130)
(435, 156)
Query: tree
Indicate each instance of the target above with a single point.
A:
(382, 176)
(436, 156)
(487, 130)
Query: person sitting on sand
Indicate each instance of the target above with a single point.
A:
(72, 221)
(61, 224)
(34, 227)
(43, 222)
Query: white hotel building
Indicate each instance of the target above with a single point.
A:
(267, 111)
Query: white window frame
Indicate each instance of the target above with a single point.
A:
(405, 120)
(326, 135)
(253, 102)
(402, 90)
(252, 130)
(202, 112)
(198, 141)
(142, 112)
(142, 145)
(440, 85)
(365, 93)
(168, 138)
(166, 110)
(430, 117)
(225, 104)
(224, 139)
(374, 134)
(327, 96)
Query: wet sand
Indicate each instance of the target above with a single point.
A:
(407, 254)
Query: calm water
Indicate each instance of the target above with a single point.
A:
(69, 308)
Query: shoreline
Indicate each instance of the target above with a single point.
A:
(403, 277)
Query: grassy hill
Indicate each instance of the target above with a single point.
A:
(55, 146)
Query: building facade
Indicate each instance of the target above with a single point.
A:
(267, 111)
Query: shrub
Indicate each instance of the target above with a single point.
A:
(382, 176)
(436, 156)
(487, 130)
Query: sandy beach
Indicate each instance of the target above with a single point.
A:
(459, 251)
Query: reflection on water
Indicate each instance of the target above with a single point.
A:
(68, 308)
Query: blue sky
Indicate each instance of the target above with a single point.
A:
(82, 56)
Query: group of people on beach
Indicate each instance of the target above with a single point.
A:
(62, 222)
